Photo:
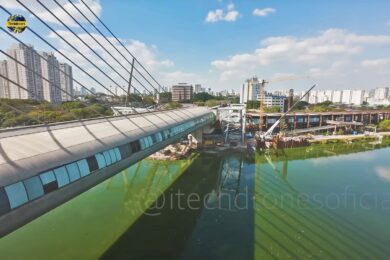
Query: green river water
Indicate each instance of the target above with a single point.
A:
(329, 201)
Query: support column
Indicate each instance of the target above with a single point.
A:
(308, 121)
(197, 137)
(295, 122)
(321, 119)
(369, 118)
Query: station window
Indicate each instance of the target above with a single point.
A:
(92, 163)
(4, 204)
(61, 176)
(17, 194)
(135, 146)
(113, 155)
(73, 171)
(117, 154)
(83, 166)
(34, 187)
(142, 143)
(154, 138)
(125, 150)
(49, 181)
(100, 160)
(107, 156)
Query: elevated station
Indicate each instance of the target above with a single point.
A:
(42, 167)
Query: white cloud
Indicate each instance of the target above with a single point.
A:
(326, 53)
(231, 15)
(383, 173)
(375, 62)
(263, 12)
(39, 10)
(162, 69)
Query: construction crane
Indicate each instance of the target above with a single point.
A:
(262, 93)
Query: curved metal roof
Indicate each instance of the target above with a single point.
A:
(27, 151)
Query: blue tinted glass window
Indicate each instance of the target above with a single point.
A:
(16, 194)
(83, 167)
(61, 176)
(73, 172)
(117, 154)
(107, 156)
(113, 156)
(101, 161)
(141, 142)
(34, 187)
(47, 177)
(150, 141)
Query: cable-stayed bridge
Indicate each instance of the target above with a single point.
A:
(45, 165)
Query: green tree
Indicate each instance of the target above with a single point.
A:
(252, 104)
(384, 125)
(203, 96)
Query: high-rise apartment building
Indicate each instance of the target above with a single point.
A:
(381, 93)
(250, 90)
(198, 88)
(4, 84)
(50, 71)
(66, 80)
(337, 95)
(346, 96)
(182, 91)
(357, 97)
(23, 75)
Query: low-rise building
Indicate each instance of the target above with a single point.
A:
(181, 92)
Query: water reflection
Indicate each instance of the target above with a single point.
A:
(221, 206)
(86, 226)
(290, 223)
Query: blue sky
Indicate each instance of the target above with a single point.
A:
(337, 44)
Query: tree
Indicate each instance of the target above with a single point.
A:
(384, 125)
(273, 109)
(252, 104)
(203, 96)
(301, 105)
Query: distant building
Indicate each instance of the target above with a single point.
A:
(381, 93)
(4, 84)
(336, 97)
(198, 88)
(51, 87)
(271, 100)
(24, 76)
(346, 96)
(250, 90)
(182, 91)
(357, 97)
(66, 81)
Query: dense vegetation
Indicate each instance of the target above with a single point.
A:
(384, 125)
(15, 112)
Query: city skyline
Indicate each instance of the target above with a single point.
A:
(35, 75)
(329, 49)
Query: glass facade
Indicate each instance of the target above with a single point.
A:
(34, 187)
(17, 194)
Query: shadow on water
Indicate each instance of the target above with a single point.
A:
(164, 229)
(213, 226)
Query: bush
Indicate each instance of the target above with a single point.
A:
(173, 105)
(384, 125)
